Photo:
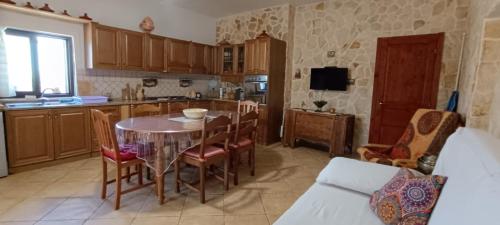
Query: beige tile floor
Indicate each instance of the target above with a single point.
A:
(68, 194)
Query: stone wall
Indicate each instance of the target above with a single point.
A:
(481, 68)
(351, 28)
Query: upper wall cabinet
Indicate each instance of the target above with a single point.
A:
(102, 46)
(178, 55)
(156, 53)
(257, 55)
(198, 60)
(133, 48)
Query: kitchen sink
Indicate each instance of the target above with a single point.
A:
(21, 105)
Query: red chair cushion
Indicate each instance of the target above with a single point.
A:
(242, 142)
(126, 153)
(210, 151)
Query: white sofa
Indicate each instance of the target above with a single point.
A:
(470, 159)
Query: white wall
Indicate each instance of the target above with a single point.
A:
(170, 20)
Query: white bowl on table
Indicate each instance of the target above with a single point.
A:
(195, 113)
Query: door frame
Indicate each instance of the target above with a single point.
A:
(374, 136)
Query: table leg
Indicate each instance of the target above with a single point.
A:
(160, 182)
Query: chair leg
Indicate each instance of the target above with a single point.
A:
(236, 166)
(202, 183)
(252, 165)
(128, 174)
(226, 172)
(118, 191)
(104, 179)
(139, 174)
(177, 176)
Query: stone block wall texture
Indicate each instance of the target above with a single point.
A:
(351, 28)
(481, 67)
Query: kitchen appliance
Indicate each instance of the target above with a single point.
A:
(256, 88)
(239, 94)
(3, 150)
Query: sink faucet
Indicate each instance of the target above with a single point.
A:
(54, 90)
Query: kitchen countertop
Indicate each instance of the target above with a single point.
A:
(114, 102)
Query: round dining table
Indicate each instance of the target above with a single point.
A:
(158, 140)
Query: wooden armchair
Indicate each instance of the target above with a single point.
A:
(426, 134)
(120, 156)
(207, 154)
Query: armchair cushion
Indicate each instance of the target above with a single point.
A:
(356, 175)
(407, 199)
(425, 134)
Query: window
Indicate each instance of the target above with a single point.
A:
(38, 62)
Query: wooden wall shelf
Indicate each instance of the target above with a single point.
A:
(37, 12)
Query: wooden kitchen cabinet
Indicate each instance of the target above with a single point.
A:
(262, 54)
(102, 46)
(197, 55)
(71, 132)
(227, 59)
(29, 137)
(240, 60)
(178, 56)
(115, 117)
(250, 50)
(133, 49)
(177, 107)
(221, 105)
(156, 53)
(201, 104)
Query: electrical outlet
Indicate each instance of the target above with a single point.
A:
(330, 54)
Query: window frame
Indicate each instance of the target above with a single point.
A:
(34, 62)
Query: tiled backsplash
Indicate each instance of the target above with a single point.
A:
(101, 82)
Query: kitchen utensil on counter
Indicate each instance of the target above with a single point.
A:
(198, 95)
(239, 94)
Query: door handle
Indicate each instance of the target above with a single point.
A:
(380, 102)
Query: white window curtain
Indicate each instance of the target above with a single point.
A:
(6, 90)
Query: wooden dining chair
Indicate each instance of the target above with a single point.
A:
(145, 110)
(121, 156)
(207, 154)
(244, 141)
(247, 106)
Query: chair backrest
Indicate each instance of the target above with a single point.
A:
(215, 131)
(105, 135)
(247, 106)
(426, 134)
(145, 110)
(246, 125)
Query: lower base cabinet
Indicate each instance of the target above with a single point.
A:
(36, 136)
(30, 137)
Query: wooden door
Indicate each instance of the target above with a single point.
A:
(262, 55)
(250, 66)
(115, 117)
(209, 58)
(105, 47)
(156, 49)
(197, 56)
(133, 50)
(240, 59)
(29, 137)
(71, 132)
(178, 59)
(406, 78)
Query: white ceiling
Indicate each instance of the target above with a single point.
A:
(221, 8)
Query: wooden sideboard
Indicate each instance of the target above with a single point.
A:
(334, 130)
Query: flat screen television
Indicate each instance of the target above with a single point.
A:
(329, 78)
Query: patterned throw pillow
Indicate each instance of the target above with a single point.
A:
(407, 199)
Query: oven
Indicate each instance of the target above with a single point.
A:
(256, 88)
